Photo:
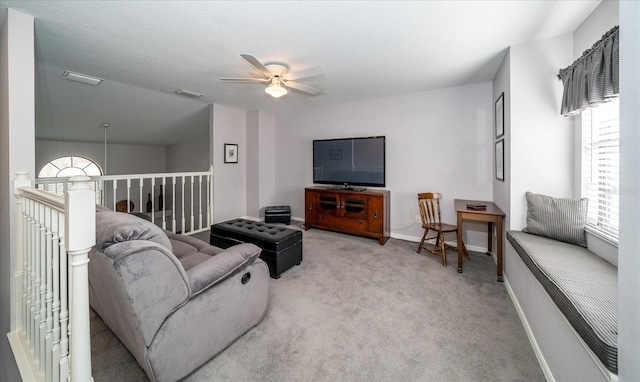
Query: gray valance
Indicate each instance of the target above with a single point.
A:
(592, 78)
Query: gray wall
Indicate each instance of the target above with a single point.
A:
(230, 180)
(188, 156)
(439, 141)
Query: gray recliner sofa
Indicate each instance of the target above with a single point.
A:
(173, 300)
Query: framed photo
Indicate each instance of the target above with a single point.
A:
(500, 160)
(335, 154)
(499, 116)
(230, 153)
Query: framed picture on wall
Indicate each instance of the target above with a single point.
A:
(230, 153)
(500, 160)
(499, 116)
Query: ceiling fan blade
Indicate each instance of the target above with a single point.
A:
(305, 73)
(245, 79)
(257, 64)
(302, 87)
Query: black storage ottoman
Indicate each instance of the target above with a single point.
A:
(281, 247)
(277, 214)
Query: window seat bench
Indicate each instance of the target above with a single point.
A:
(584, 289)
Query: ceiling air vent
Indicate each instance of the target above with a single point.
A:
(188, 93)
(83, 78)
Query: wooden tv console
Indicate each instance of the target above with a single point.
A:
(363, 213)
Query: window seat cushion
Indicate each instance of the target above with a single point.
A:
(583, 286)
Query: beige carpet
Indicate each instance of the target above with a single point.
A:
(357, 311)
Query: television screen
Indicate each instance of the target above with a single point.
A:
(349, 161)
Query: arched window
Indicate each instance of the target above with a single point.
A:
(65, 167)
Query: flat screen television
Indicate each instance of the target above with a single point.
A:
(349, 162)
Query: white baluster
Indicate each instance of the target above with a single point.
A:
(140, 189)
(115, 198)
(200, 222)
(182, 219)
(64, 301)
(42, 314)
(30, 271)
(191, 221)
(55, 246)
(128, 195)
(38, 296)
(173, 205)
(48, 336)
(103, 195)
(153, 200)
(164, 204)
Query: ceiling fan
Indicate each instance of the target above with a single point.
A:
(279, 78)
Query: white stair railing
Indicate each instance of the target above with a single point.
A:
(51, 337)
(180, 202)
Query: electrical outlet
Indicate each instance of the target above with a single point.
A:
(418, 219)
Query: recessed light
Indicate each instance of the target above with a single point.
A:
(83, 78)
(188, 93)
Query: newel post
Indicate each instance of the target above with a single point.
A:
(80, 221)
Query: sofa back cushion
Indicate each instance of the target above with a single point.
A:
(117, 227)
(555, 218)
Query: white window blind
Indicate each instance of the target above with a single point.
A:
(601, 166)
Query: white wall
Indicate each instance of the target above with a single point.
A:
(438, 141)
(502, 189)
(122, 159)
(260, 161)
(541, 149)
(253, 163)
(267, 156)
(629, 269)
(601, 20)
(17, 134)
(229, 180)
(188, 156)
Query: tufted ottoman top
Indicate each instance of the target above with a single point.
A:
(265, 236)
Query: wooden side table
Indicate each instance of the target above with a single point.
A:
(492, 215)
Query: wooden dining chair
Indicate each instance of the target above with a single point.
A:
(429, 204)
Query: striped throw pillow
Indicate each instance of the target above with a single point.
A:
(559, 219)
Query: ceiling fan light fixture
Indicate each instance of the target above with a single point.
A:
(275, 88)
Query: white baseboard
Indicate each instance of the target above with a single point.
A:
(22, 356)
(416, 239)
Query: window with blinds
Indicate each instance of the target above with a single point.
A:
(601, 166)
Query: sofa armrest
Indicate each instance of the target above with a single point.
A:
(221, 266)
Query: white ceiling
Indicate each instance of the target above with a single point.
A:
(146, 50)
